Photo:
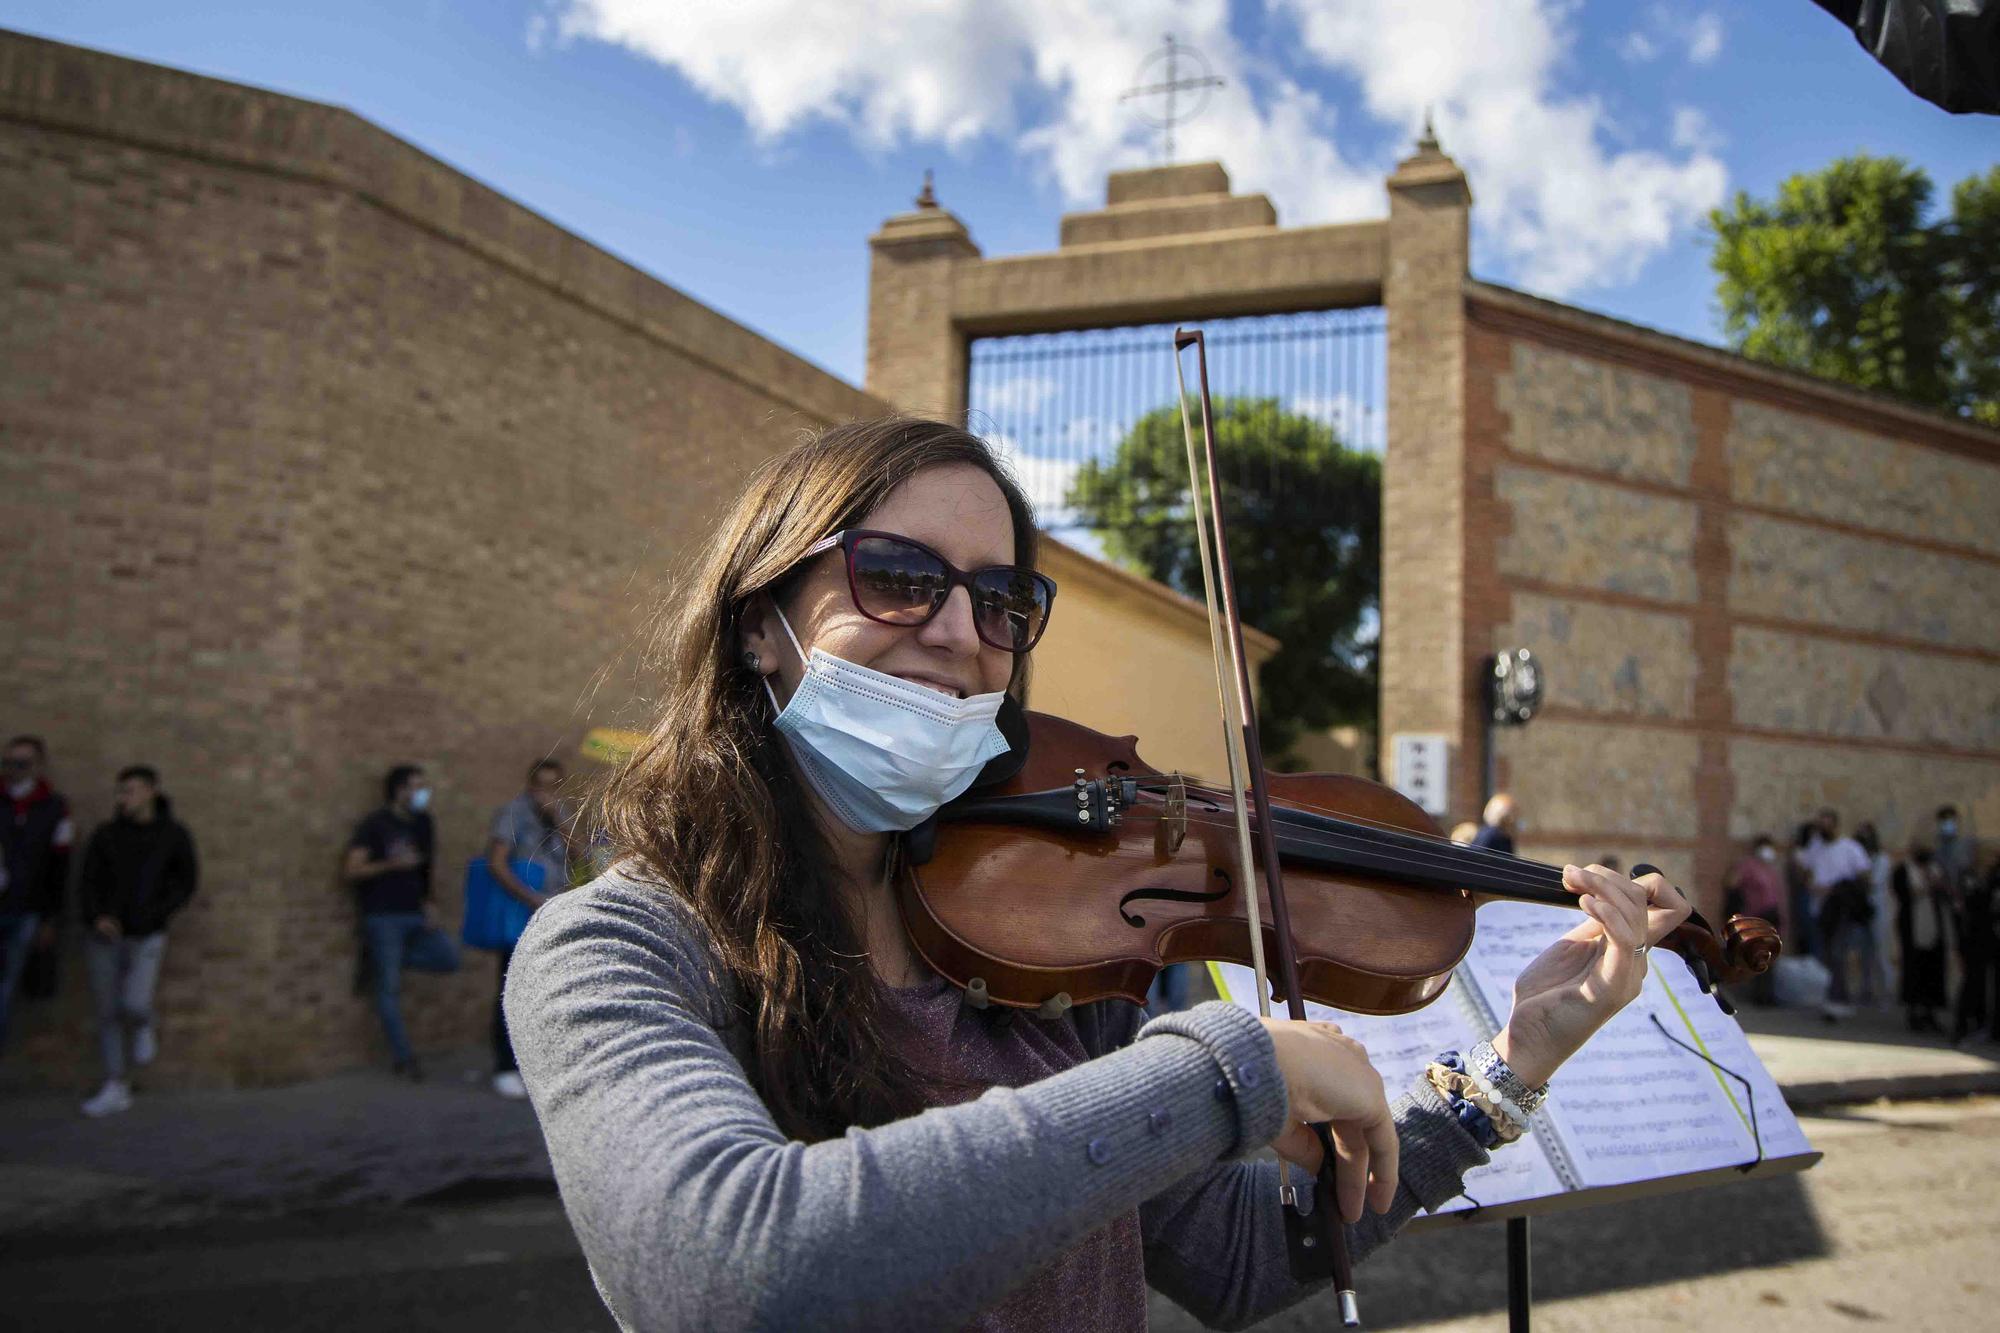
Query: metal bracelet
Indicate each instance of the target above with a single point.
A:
(1486, 1062)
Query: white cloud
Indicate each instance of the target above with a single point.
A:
(1561, 209)
(1557, 209)
(1704, 39)
(1692, 130)
(1637, 47)
(1022, 394)
(1046, 480)
(1665, 28)
(1359, 424)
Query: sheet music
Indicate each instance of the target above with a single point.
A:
(1401, 1047)
(1722, 1039)
(1632, 1105)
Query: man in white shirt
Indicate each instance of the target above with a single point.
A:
(1831, 860)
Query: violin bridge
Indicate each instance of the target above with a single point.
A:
(1171, 831)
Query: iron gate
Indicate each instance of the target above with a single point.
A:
(1050, 402)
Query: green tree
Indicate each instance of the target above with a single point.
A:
(1304, 514)
(1848, 276)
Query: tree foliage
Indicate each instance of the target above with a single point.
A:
(1847, 275)
(1304, 514)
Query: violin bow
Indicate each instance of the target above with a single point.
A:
(1325, 1252)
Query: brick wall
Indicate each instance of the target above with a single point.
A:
(317, 456)
(1755, 593)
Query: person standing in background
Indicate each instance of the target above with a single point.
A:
(1838, 891)
(389, 863)
(1496, 831)
(1754, 886)
(1957, 855)
(1976, 922)
(35, 837)
(1925, 919)
(1882, 902)
(139, 868)
(533, 827)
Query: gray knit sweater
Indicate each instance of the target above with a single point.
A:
(696, 1212)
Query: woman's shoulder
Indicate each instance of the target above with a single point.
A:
(621, 919)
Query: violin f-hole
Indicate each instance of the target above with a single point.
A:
(1137, 922)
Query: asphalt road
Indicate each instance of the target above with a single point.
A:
(1897, 1227)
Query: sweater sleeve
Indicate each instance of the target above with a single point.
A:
(696, 1211)
(1215, 1242)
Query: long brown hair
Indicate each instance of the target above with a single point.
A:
(711, 806)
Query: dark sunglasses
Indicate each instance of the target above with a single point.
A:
(896, 581)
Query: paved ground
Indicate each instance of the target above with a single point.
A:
(1873, 1054)
(1895, 1228)
(359, 1139)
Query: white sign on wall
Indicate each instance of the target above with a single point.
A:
(1421, 769)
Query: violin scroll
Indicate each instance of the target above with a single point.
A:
(1745, 947)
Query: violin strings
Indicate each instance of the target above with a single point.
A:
(1335, 841)
(1470, 852)
(1519, 890)
(1410, 839)
(1222, 794)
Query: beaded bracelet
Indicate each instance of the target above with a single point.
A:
(1490, 1120)
(1485, 1062)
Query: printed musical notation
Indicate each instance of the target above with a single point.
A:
(1668, 1087)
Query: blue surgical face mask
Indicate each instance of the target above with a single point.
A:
(882, 753)
(420, 799)
(1948, 827)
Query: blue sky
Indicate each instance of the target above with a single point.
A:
(744, 151)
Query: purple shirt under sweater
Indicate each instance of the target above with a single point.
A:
(1098, 1285)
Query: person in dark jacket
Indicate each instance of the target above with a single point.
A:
(1976, 952)
(35, 839)
(389, 864)
(139, 868)
(1924, 922)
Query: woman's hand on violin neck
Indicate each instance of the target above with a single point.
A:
(1575, 985)
(1328, 1079)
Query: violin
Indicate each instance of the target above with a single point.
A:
(1083, 871)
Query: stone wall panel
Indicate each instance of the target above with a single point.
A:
(1796, 571)
(1606, 659)
(1812, 466)
(1827, 687)
(1570, 409)
(1778, 783)
(1588, 776)
(1585, 534)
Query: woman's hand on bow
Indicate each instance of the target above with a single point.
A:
(1328, 1079)
(1575, 985)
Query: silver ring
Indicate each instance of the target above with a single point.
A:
(1641, 950)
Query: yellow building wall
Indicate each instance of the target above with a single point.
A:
(1130, 657)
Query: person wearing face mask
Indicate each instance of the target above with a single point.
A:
(533, 829)
(1956, 853)
(1755, 886)
(389, 864)
(36, 836)
(765, 1110)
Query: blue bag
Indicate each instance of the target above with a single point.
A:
(495, 918)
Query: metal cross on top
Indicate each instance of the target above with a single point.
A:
(1179, 60)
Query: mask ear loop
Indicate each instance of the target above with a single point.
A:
(765, 680)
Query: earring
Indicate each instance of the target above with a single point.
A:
(754, 662)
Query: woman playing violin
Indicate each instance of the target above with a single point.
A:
(763, 1108)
